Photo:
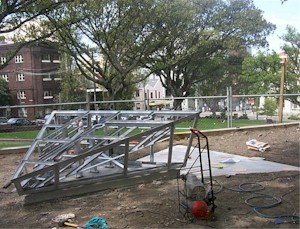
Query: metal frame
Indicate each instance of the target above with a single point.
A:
(65, 155)
(184, 200)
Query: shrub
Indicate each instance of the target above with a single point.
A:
(294, 117)
(270, 106)
(244, 116)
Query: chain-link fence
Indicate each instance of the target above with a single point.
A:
(217, 112)
(243, 110)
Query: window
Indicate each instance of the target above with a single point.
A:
(46, 58)
(19, 59)
(48, 95)
(159, 94)
(57, 77)
(2, 60)
(20, 77)
(5, 77)
(21, 95)
(137, 93)
(47, 78)
(151, 95)
(56, 58)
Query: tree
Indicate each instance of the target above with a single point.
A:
(73, 85)
(109, 39)
(24, 20)
(261, 73)
(292, 48)
(4, 93)
(270, 106)
(201, 35)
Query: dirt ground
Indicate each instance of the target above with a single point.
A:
(155, 205)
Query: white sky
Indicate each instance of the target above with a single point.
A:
(281, 15)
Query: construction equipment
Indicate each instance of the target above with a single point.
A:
(69, 159)
(195, 194)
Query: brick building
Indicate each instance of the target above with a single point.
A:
(32, 76)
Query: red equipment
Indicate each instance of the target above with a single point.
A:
(196, 197)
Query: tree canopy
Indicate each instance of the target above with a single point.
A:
(108, 40)
(23, 21)
(4, 93)
(181, 41)
(203, 37)
(292, 49)
(261, 73)
(188, 43)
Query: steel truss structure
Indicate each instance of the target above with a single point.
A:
(75, 150)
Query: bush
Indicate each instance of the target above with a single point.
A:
(223, 115)
(270, 106)
(244, 116)
(294, 117)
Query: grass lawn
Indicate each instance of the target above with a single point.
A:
(12, 144)
(203, 124)
(20, 135)
(210, 123)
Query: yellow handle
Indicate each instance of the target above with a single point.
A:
(70, 224)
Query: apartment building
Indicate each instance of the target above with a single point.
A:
(32, 76)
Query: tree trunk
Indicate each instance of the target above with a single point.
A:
(111, 97)
(177, 105)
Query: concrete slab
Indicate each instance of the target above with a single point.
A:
(243, 165)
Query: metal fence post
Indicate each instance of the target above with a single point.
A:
(126, 156)
(88, 102)
(172, 129)
(230, 92)
(228, 107)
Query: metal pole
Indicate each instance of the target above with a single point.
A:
(172, 128)
(230, 93)
(59, 101)
(87, 101)
(257, 105)
(148, 102)
(95, 96)
(94, 83)
(280, 108)
(126, 156)
(227, 105)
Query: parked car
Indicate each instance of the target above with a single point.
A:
(3, 120)
(19, 122)
(41, 121)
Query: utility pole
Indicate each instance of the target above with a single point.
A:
(94, 77)
(283, 62)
